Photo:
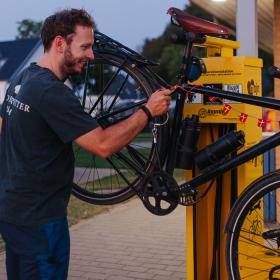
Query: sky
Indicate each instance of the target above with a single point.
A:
(127, 21)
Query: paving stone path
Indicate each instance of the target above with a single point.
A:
(127, 243)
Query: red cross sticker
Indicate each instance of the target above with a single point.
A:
(243, 117)
(212, 99)
(261, 122)
(226, 109)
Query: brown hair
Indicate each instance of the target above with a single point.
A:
(63, 23)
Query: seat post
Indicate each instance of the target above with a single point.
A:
(180, 102)
(187, 56)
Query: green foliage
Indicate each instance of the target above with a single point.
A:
(28, 28)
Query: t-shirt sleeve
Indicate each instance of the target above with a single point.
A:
(3, 107)
(63, 112)
(2, 110)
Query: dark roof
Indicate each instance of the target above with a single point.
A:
(13, 54)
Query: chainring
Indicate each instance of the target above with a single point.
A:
(156, 195)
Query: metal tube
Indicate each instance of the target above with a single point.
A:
(243, 157)
(245, 98)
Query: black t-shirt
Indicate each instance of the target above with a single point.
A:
(41, 118)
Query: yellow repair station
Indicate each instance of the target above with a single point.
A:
(206, 220)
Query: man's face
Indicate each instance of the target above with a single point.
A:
(79, 50)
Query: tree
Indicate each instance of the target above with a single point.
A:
(28, 28)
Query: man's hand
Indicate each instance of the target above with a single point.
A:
(159, 101)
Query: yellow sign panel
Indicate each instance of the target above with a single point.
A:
(241, 75)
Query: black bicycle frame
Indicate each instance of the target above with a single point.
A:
(180, 102)
(250, 153)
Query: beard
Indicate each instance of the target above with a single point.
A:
(71, 64)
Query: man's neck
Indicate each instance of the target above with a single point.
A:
(48, 61)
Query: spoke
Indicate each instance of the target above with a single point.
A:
(118, 171)
(118, 93)
(101, 84)
(106, 87)
(130, 163)
(254, 258)
(137, 156)
(94, 172)
(121, 110)
(119, 184)
(90, 170)
(258, 244)
(259, 235)
(98, 180)
(85, 168)
(86, 85)
(259, 271)
(261, 220)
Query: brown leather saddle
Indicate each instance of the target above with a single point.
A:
(196, 25)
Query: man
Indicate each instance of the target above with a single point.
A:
(40, 118)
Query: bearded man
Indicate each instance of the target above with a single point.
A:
(39, 120)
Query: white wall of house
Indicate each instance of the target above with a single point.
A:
(3, 87)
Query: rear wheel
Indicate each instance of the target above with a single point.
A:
(253, 241)
(116, 88)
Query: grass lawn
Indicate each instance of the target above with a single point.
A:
(87, 159)
(79, 210)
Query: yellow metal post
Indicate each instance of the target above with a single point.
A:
(231, 73)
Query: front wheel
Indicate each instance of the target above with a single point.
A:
(253, 240)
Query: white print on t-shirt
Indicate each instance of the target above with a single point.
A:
(17, 88)
(9, 110)
(16, 103)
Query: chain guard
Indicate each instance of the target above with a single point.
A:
(156, 195)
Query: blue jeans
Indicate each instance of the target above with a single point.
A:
(37, 253)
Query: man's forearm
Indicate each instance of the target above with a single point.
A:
(0, 124)
(105, 142)
(121, 134)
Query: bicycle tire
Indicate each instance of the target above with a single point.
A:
(92, 190)
(253, 243)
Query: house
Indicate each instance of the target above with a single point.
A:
(14, 57)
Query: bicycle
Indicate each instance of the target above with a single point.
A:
(123, 82)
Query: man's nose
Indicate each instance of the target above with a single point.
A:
(90, 54)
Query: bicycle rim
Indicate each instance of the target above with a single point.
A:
(253, 241)
(116, 89)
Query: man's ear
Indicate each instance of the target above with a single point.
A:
(59, 43)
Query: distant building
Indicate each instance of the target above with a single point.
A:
(14, 57)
